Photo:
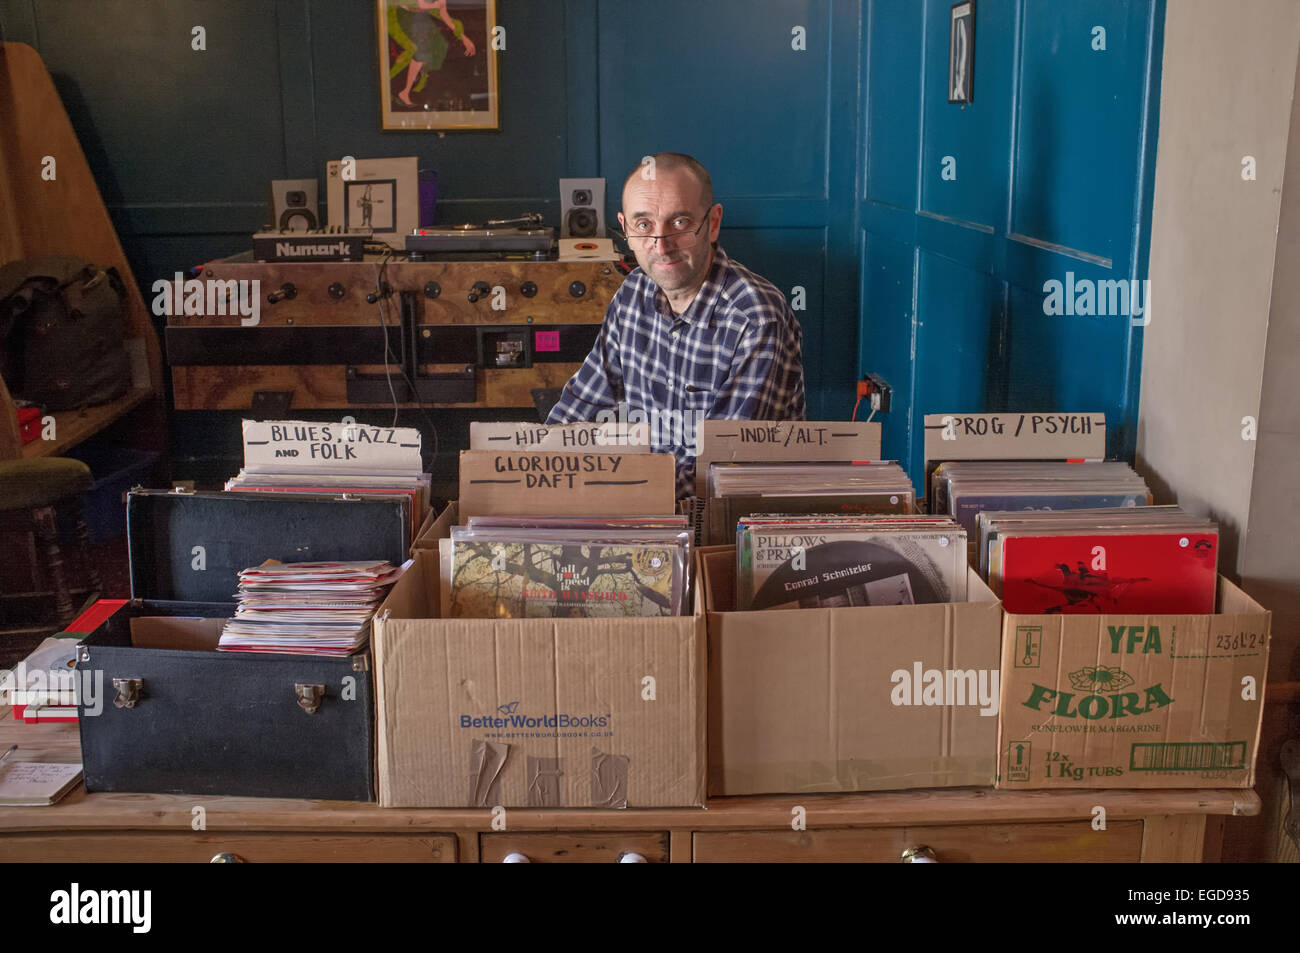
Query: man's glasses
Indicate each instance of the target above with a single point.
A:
(682, 227)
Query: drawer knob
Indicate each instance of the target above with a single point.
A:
(515, 858)
(226, 857)
(126, 692)
(919, 855)
(631, 857)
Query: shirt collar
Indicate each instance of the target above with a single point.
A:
(701, 309)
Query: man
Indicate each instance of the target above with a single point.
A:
(691, 334)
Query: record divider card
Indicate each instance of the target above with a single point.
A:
(1013, 436)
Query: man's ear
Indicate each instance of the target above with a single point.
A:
(622, 224)
(715, 221)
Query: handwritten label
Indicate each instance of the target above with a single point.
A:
(299, 444)
(1029, 436)
(565, 483)
(751, 441)
(777, 435)
(626, 438)
(557, 471)
(546, 341)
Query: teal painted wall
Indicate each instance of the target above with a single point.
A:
(825, 158)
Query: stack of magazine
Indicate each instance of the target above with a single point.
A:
(1152, 559)
(497, 567)
(306, 608)
(830, 560)
(965, 488)
(737, 490)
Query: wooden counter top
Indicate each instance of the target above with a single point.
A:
(161, 812)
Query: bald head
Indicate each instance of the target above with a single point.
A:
(650, 167)
(672, 223)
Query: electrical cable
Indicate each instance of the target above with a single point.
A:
(383, 323)
(388, 354)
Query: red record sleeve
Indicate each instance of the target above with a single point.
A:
(1094, 574)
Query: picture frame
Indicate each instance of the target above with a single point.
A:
(961, 53)
(437, 64)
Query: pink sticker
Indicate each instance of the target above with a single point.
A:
(546, 341)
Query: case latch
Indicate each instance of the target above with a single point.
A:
(309, 696)
(126, 692)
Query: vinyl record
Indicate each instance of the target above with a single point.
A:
(832, 568)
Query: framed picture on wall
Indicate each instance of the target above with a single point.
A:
(437, 65)
(961, 53)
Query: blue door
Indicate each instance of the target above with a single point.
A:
(970, 213)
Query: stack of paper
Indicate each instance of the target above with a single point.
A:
(306, 608)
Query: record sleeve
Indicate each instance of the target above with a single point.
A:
(507, 580)
(967, 507)
(811, 567)
(1108, 573)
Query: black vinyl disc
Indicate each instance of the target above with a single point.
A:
(783, 585)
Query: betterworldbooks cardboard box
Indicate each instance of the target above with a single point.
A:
(871, 698)
(1134, 701)
(535, 712)
(539, 712)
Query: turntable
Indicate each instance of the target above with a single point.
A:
(500, 238)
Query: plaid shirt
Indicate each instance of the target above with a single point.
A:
(734, 354)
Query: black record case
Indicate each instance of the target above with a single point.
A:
(175, 716)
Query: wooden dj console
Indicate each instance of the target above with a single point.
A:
(456, 333)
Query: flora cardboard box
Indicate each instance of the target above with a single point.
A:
(870, 698)
(1134, 701)
(534, 712)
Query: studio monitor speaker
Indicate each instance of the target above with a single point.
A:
(293, 204)
(582, 208)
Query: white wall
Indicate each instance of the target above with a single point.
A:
(1226, 92)
(1270, 555)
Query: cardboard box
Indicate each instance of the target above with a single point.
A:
(1134, 701)
(874, 698)
(436, 527)
(535, 712)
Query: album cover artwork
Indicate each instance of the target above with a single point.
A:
(495, 580)
(1095, 573)
(810, 570)
(967, 507)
